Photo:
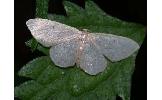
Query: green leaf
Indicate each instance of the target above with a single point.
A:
(33, 44)
(50, 82)
(42, 8)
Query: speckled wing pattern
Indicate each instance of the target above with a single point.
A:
(91, 59)
(64, 54)
(114, 47)
(69, 46)
(50, 33)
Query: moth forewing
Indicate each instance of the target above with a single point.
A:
(114, 47)
(50, 33)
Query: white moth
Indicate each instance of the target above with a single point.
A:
(69, 46)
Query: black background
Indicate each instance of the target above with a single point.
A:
(128, 10)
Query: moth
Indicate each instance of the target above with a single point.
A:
(70, 46)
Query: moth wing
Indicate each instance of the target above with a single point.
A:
(91, 60)
(64, 54)
(50, 33)
(115, 47)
